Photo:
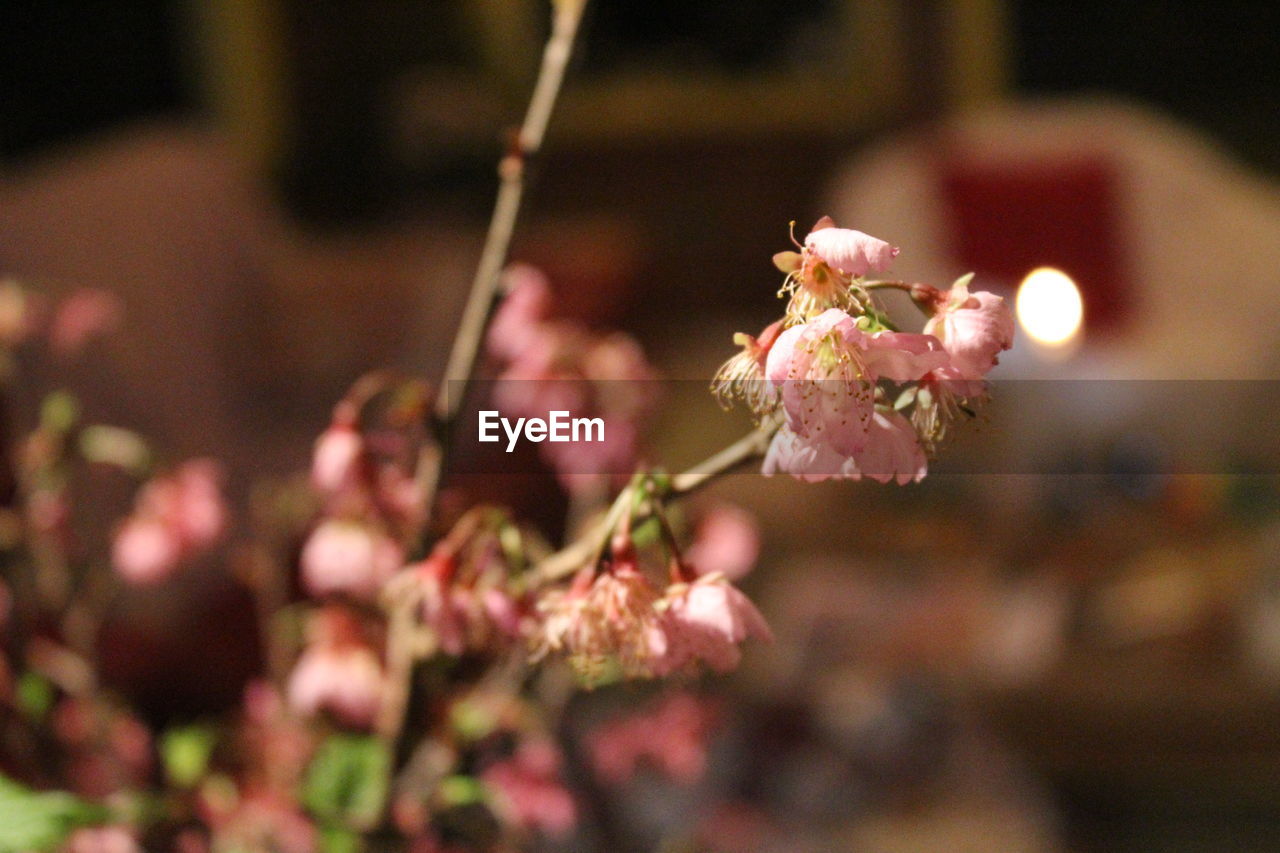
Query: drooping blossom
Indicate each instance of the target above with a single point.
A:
(609, 616)
(974, 328)
(671, 736)
(827, 271)
(726, 541)
(528, 792)
(471, 609)
(176, 517)
(892, 452)
(337, 671)
(706, 620)
(349, 556)
(826, 371)
(742, 377)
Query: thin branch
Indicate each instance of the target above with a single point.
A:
(574, 556)
(484, 287)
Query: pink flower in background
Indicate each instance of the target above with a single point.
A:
(82, 316)
(176, 517)
(973, 327)
(344, 678)
(528, 790)
(706, 620)
(670, 736)
(849, 251)
(102, 839)
(726, 541)
(348, 556)
(335, 463)
(516, 323)
(145, 550)
(826, 371)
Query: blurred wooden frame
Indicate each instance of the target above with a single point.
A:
(243, 69)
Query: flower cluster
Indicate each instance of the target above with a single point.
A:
(617, 615)
(670, 735)
(549, 364)
(176, 516)
(856, 397)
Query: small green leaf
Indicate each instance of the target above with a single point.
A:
(963, 281)
(186, 752)
(35, 695)
(646, 532)
(347, 781)
(59, 411)
(334, 840)
(461, 791)
(32, 821)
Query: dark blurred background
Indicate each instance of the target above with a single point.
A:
(287, 193)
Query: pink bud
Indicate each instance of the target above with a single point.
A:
(145, 550)
(336, 461)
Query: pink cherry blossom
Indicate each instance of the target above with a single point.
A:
(335, 464)
(349, 556)
(670, 736)
(827, 369)
(345, 679)
(82, 316)
(145, 550)
(973, 327)
(611, 615)
(849, 251)
(726, 542)
(891, 452)
(706, 620)
(176, 516)
(529, 792)
(102, 839)
(514, 327)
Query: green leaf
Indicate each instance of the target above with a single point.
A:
(59, 411)
(35, 695)
(346, 784)
(646, 532)
(462, 791)
(32, 821)
(963, 280)
(334, 840)
(186, 752)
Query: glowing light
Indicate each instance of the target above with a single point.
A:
(1049, 307)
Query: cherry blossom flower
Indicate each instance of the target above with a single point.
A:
(176, 517)
(348, 556)
(344, 679)
(670, 736)
(102, 839)
(974, 328)
(827, 369)
(726, 541)
(335, 464)
(851, 252)
(528, 791)
(706, 620)
(82, 316)
(515, 325)
(145, 550)
(891, 452)
(742, 377)
(612, 615)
